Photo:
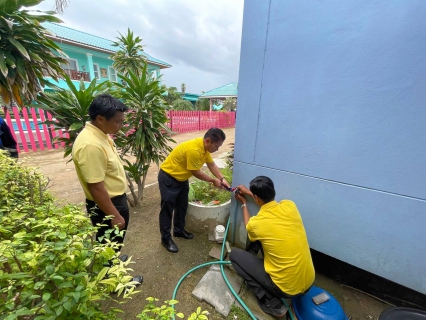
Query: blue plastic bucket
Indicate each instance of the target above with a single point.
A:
(306, 309)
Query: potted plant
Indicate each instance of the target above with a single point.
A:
(208, 205)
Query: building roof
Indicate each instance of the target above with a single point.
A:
(191, 97)
(227, 91)
(76, 37)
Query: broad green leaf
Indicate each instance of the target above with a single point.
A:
(19, 46)
(76, 126)
(3, 67)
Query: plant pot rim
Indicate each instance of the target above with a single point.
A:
(209, 206)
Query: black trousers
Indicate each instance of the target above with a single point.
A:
(252, 270)
(174, 197)
(97, 216)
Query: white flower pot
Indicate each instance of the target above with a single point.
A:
(205, 217)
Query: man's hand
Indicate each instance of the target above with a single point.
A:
(243, 190)
(217, 183)
(240, 198)
(225, 183)
(103, 201)
(118, 221)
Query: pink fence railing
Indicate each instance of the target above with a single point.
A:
(29, 131)
(190, 121)
(32, 135)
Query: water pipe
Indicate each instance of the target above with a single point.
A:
(221, 262)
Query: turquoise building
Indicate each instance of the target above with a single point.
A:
(89, 55)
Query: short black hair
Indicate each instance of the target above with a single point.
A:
(215, 135)
(105, 105)
(263, 187)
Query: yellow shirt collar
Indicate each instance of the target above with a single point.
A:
(96, 130)
(269, 205)
(201, 143)
(99, 133)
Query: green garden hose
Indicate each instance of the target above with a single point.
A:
(221, 263)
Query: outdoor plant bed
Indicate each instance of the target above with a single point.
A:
(208, 206)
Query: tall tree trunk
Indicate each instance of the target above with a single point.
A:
(141, 186)
(133, 202)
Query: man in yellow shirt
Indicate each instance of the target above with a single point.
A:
(100, 170)
(182, 163)
(287, 269)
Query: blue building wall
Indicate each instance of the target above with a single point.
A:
(332, 107)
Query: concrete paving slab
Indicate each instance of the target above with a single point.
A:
(211, 235)
(216, 251)
(213, 289)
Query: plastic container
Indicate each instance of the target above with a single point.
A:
(306, 309)
(219, 233)
(402, 314)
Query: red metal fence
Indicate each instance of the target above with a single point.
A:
(31, 135)
(190, 121)
(29, 131)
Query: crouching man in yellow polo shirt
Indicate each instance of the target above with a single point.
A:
(183, 162)
(287, 269)
(100, 170)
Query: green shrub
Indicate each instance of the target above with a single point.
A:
(206, 192)
(167, 311)
(50, 266)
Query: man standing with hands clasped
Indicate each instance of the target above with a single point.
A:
(287, 269)
(100, 170)
(185, 161)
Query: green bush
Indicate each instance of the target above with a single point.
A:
(50, 266)
(206, 192)
(167, 311)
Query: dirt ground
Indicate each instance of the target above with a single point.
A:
(161, 269)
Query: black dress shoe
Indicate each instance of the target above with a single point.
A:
(170, 245)
(138, 279)
(184, 234)
(124, 257)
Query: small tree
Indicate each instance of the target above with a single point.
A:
(171, 95)
(144, 138)
(202, 104)
(229, 104)
(181, 104)
(182, 89)
(70, 108)
(129, 56)
(26, 52)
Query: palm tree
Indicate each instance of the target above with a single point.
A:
(26, 53)
(70, 108)
(144, 139)
(129, 56)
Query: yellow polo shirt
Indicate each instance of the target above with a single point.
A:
(97, 160)
(279, 227)
(187, 156)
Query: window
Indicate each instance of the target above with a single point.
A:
(71, 65)
(112, 74)
(97, 72)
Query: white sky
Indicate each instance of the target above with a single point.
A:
(201, 39)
